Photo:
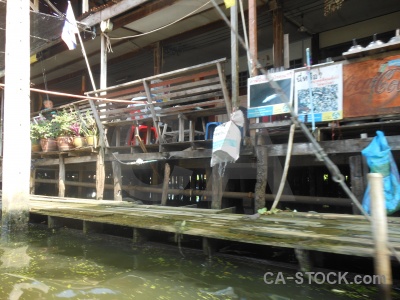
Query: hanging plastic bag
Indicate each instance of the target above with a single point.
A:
(380, 160)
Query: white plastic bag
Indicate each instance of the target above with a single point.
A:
(226, 143)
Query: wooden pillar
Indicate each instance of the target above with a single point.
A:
(234, 56)
(61, 176)
(216, 189)
(253, 37)
(357, 179)
(117, 175)
(54, 222)
(157, 58)
(164, 196)
(81, 172)
(277, 23)
(208, 182)
(33, 181)
(100, 174)
(92, 227)
(16, 164)
(262, 174)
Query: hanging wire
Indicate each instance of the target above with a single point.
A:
(44, 75)
(320, 154)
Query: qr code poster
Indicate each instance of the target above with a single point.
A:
(263, 100)
(325, 91)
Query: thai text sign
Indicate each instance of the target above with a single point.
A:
(319, 92)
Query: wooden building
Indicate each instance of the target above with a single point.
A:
(190, 75)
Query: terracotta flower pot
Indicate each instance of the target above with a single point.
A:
(48, 145)
(65, 143)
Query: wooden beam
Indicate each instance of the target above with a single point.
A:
(357, 179)
(112, 11)
(234, 56)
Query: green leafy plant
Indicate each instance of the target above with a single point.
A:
(63, 122)
(88, 124)
(43, 130)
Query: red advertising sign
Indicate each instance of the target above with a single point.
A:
(372, 87)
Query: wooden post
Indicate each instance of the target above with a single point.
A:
(100, 174)
(253, 37)
(157, 58)
(81, 172)
(277, 22)
(61, 176)
(116, 166)
(234, 56)
(216, 188)
(379, 232)
(92, 227)
(16, 164)
(32, 182)
(262, 174)
(164, 196)
(357, 179)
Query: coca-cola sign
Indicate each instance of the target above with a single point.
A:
(372, 87)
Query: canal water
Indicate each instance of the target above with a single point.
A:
(65, 264)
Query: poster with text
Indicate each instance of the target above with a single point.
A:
(325, 91)
(264, 100)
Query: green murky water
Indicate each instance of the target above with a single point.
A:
(43, 264)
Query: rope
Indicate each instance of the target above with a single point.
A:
(286, 167)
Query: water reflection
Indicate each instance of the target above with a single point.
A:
(43, 264)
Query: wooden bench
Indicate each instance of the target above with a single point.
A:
(170, 102)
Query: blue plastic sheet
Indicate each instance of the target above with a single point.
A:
(380, 160)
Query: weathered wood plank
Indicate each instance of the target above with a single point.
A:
(295, 231)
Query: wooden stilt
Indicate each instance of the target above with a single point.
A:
(262, 174)
(117, 175)
(216, 188)
(164, 196)
(100, 174)
(92, 227)
(61, 177)
(357, 180)
(53, 222)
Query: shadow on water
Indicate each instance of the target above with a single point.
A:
(64, 264)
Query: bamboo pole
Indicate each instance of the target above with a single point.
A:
(380, 235)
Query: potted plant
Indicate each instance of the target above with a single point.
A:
(79, 140)
(63, 121)
(35, 137)
(89, 129)
(46, 132)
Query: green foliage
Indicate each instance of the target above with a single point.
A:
(64, 121)
(88, 124)
(43, 130)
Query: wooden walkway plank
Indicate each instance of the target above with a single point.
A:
(332, 233)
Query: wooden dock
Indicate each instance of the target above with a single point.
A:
(332, 233)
